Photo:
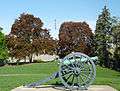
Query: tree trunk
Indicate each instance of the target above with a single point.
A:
(106, 57)
(30, 58)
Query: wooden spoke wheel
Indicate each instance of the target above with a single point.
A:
(77, 71)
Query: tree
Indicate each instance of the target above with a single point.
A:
(116, 43)
(17, 47)
(3, 49)
(27, 37)
(103, 37)
(75, 36)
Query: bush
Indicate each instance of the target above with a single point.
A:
(2, 62)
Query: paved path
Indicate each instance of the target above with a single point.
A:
(55, 88)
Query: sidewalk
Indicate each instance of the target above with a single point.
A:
(55, 88)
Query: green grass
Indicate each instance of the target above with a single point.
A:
(32, 72)
(108, 77)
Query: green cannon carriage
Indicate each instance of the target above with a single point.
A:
(76, 71)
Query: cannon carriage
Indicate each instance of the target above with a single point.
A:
(76, 71)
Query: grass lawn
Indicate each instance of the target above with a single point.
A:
(14, 76)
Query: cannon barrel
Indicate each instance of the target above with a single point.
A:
(83, 59)
(94, 58)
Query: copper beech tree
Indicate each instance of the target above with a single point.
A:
(27, 37)
(75, 36)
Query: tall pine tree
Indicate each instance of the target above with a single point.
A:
(102, 36)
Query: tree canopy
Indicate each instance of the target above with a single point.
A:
(27, 37)
(115, 48)
(75, 36)
(3, 49)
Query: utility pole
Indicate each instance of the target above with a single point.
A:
(106, 2)
(55, 25)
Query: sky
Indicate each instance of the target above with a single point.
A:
(60, 10)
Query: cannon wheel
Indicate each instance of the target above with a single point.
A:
(77, 74)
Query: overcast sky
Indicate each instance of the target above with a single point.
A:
(49, 10)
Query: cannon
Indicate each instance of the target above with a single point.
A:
(76, 71)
